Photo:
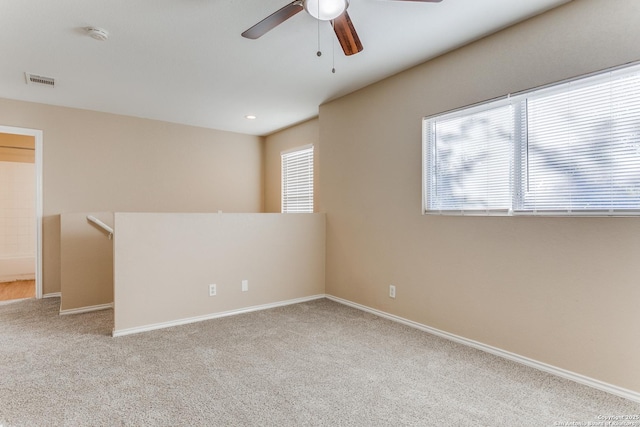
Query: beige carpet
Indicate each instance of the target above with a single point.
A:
(317, 363)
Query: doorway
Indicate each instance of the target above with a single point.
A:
(21, 213)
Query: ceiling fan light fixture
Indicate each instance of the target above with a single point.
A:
(325, 10)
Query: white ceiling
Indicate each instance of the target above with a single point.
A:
(184, 61)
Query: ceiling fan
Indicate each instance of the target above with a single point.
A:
(323, 10)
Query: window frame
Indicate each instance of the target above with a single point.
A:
(429, 155)
(519, 178)
(301, 151)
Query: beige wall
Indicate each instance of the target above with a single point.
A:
(303, 134)
(86, 261)
(165, 262)
(104, 162)
(562, 291)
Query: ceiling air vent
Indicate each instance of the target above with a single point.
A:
(39, 80)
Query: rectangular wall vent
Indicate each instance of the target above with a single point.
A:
(39, 80)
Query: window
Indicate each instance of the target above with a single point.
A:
(297, 180)
(470, 156)
(571, 148)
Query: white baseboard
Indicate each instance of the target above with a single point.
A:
(52, 295)
(581, 379)
(152, 327)
(86, 309)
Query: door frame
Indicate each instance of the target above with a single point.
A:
(37, 134)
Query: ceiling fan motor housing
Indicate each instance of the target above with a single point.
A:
(325, 10)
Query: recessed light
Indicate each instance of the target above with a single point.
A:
(250, 117)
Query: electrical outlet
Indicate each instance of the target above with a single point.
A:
(245, 285)
(392, 291)
(212, 290)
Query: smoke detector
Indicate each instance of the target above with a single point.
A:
(97, 33)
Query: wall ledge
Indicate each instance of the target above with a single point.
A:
(563, 373)
(185, 321)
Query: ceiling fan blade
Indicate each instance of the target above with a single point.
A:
(346, 33)
(273, 20)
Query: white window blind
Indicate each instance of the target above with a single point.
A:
(583, 148)
(469, 161)
(571, 148)
(297, 181)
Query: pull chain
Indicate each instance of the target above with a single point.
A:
(319, 53)
(333, 57)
